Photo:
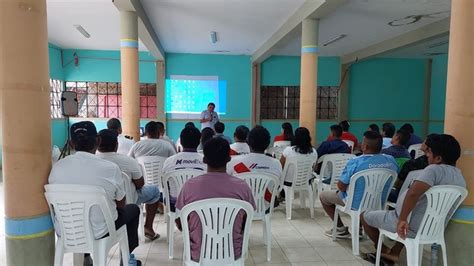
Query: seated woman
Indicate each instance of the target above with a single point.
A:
(301, 145)
(286, 133)
(206, 134)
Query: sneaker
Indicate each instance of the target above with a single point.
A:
(341, 232)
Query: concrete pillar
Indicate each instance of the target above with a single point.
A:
(160, 91)
(255, 94)
(308, 83)
(129, 67)
(459, 121)
(24, 88)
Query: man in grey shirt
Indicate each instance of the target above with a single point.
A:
(153, 145)
(442, 152)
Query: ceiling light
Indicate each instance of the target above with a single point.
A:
(213, 37)
(335, 39)
(82, 31)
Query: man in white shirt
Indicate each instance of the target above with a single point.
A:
(125, 143)
(161, 129)
(240, 146)
(84, 168)
(189, 158)
(388, 130)
(152, 145)
(139, 193)
(208, 117)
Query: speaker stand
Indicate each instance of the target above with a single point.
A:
(66, 150)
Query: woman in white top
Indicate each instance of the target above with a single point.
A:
(301, 145)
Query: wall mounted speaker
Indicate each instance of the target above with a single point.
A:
(69, 103)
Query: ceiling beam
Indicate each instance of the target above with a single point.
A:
(146, 33)
(314, 9)
(427, 32)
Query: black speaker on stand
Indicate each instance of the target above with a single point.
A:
(69, 107)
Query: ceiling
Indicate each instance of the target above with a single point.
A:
(242, 26)
(425, 49)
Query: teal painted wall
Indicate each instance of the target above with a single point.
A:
(439, 73)
(386, 90)
(234, 69)
(55, 63)
(286, 71)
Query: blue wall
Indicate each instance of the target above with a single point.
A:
(235, 69)
(286, 71)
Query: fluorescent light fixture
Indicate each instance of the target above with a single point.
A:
(82, 31)
(213, 37)
(335, 39)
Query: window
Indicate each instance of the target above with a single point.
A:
(103, 99)
(283, 102)
(56, 88)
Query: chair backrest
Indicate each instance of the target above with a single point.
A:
(412, 175)
(377, 185)
(302, 169)
(282, 143)
(177, 178)
(333, 165)
(127, 184)
(259, 183)
(275, 151)
(70, 207)
(442, 201)
(349, 143)
(416, 148)
(217, 218)
(152, 166)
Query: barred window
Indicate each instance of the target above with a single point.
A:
(56, 88)
(103, 99)
(283, 102)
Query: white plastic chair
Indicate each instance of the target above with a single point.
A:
(275, 151)
(178, 178)
(349, 143)
(442, 201)
(70, 206)
(376, 179)
(217, 216)
(282, 143)
(259, 183)
(412, 175)
(152, 167)
(417, 149)
(332, 167)
(302, 168)
(127, 183)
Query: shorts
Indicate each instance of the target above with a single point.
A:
(148, 194)
(331, 198)
(386, 220)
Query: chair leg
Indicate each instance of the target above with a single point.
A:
(99, 255)
(420, 254)
(379, 249)
(302, 199)
(141, 225)
(77, 259)
(268, 229)
(355, 234)
(334, 226)
(289, 201)
(311, 201)
(58, 254)
(443, 249)
(124, 251)
(412, 253)
(170, 232)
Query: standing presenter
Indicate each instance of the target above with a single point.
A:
(208, 117)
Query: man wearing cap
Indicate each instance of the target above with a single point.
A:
(84, 168)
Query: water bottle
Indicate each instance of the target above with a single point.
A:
(132, 261)
(434, 254)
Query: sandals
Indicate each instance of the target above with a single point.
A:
(152, 236)
(371, 257)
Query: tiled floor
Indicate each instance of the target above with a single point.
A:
(298, 242)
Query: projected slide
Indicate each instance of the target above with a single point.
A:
(191, 94)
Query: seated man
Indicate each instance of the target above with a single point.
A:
(442, 152)
(152, 145)
(161, 129)
(219, 127)
(397, 149)
(240, 146)
(371, 158)
(189, 158)
(84, 168)
(346, 135)
(125, 143)
(388, 130)
(215, 184)
(335, 145)
(141, 193)
(414, 139)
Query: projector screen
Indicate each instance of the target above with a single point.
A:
(188, 96)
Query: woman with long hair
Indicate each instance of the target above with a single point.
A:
(286, 133)
(206, 134)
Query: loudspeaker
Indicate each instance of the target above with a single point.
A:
(69, 103)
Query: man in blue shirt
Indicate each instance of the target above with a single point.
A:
(336, 145)
(398, 150)
(371, 158)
